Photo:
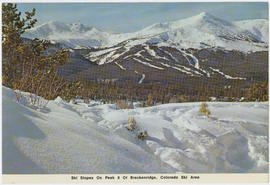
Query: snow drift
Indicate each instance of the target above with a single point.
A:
(92, 138)
(59, 140)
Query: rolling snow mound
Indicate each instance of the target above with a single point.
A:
(92, 138)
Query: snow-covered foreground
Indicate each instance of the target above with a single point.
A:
(69, 138)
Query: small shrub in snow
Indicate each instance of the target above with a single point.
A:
(150, 100)
(122, 104)
(73, 102)
(131, 124)
(86, 100)
(31, 100)
(143, 104)
(204, 109)
(142, 135)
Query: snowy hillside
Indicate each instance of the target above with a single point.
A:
(205, 29)
(69, 138)
(193, 32)
(71, 35)
(258, 27)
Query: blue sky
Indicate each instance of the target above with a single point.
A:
(129, 17)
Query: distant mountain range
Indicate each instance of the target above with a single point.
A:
(193, 32)
(197, 50)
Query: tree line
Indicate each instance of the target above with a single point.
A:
(154, 93)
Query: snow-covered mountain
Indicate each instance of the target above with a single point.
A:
(201, 47)
(258, 27)
(205, 29)
(70, 34)
(193, 32)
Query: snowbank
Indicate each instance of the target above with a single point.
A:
(61, 141)
(80, 138)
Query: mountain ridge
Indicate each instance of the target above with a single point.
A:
(203, 27)
(201, 49)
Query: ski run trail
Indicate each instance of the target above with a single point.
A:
(91, 138)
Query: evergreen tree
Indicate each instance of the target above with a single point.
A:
(13, 26)
(25, 66)
(258, 92)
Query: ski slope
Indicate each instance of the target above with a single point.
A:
(92, 138)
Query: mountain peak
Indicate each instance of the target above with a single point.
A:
(54, 22)
(205, 18)
(204, 14)
(58, 26)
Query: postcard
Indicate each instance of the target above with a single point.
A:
(135, 92)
